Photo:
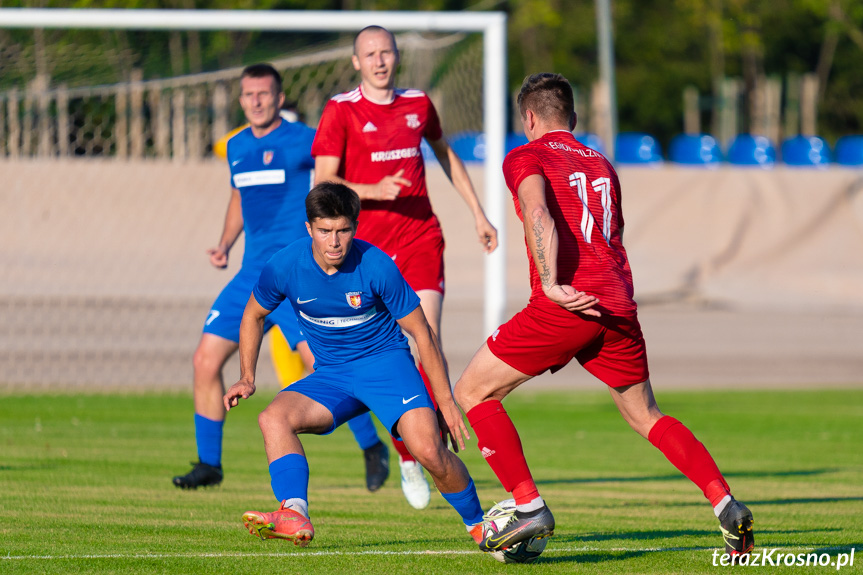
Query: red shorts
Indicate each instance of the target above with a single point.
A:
(421, 263)
(545, 336)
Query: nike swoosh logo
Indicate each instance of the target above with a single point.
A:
(302, 301)
(499, 541)
(235, 162)
(407, 401)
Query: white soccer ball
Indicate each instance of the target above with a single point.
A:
(522, 552)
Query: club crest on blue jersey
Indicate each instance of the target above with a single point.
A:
(268, 157)
(355, 299)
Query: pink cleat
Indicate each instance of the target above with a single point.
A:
(284, 523)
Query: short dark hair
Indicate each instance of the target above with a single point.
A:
(262, 71)
(374, 28)
(549, 96)
(332, 200)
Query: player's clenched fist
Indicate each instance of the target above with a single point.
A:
(218, 256)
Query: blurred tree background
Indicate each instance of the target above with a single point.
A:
(661, 48)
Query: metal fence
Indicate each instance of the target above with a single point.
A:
(181, 117)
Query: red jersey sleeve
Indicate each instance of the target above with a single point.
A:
(519, 164)
(616, 182)
(433, 131)
(331, 137)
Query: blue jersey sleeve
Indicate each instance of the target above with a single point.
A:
(307, 138)
(391, 287)
(231, 152)
(268, 290)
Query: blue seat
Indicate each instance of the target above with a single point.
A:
(592, 141)
(470, 146)
(695, 150)
(514, 140)
(636, 148)
(849, 151)
(805, 151)
(427, 152)
(749, 150)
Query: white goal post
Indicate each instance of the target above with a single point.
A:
(492, 25)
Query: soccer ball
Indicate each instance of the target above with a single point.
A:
(522, 552)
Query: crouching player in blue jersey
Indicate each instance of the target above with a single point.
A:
(270, 161)
(352, 304)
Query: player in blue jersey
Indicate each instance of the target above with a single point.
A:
(270, 162)
(352, 304)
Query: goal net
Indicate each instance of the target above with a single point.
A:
(112, 191)
(142, 94)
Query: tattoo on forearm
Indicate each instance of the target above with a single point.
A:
(544, 272)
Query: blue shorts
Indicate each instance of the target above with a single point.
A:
(387, 384)
(227, 311)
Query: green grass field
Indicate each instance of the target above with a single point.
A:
(85, 488)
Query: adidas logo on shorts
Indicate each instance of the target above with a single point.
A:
(486, 452)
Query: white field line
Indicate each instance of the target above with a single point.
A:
(301, 554)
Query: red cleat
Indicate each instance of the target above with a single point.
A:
(281, 524)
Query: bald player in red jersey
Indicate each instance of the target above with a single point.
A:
(369, 139)
(581, 306)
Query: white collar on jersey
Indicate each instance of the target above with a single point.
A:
(379, 102)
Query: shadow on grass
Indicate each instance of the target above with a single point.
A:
(592, 557)
(632, 536)
(795, 501)
(669, 534)
(29, 467)
(679, 476)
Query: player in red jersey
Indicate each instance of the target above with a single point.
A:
(581, 306)
(369, 139)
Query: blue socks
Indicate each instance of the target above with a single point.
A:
(364, 430)
(466, 503)
(208, 436)
(289, 477)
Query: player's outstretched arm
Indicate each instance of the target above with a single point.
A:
(389, 188)
(251, 335)
(455, 170)
(231, 231)
(541, 234)
(431, 356)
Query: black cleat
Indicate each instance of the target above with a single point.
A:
(201, 475)
(735, 522)
(377, 465)
(521, 527)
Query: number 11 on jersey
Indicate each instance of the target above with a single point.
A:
(578, 180)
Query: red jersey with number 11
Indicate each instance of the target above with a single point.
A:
(376, 140)
(583, 196)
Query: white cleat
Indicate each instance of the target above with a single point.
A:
(414, 484)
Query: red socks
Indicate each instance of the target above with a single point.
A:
(500, 445)
(689, 455)
(399, 446)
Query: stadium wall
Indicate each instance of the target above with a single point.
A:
(105, 279)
